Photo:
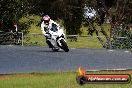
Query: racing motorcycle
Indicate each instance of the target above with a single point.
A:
(57, 38)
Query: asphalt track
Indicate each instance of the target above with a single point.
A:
(20, 59)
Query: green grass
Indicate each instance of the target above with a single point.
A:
(39, 40)
(54, 80)
(84, 42)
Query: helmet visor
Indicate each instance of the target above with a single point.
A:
(46, 21)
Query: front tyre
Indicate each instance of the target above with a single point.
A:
(64, 45)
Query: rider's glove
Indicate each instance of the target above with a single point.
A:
(47, 35)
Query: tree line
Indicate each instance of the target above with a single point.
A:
(71, 12)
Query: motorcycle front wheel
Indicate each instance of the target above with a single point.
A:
(64, 45)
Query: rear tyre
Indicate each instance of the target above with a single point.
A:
(64, 45)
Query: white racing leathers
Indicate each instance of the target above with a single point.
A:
(55, 35)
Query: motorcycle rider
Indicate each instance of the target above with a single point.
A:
(46, 25)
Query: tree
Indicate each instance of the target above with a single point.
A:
(12, 10)
(118, 15)
(72, 15)
(71, 11)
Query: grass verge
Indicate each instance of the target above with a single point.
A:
(55, 80)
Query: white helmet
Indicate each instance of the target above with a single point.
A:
(46, 19)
